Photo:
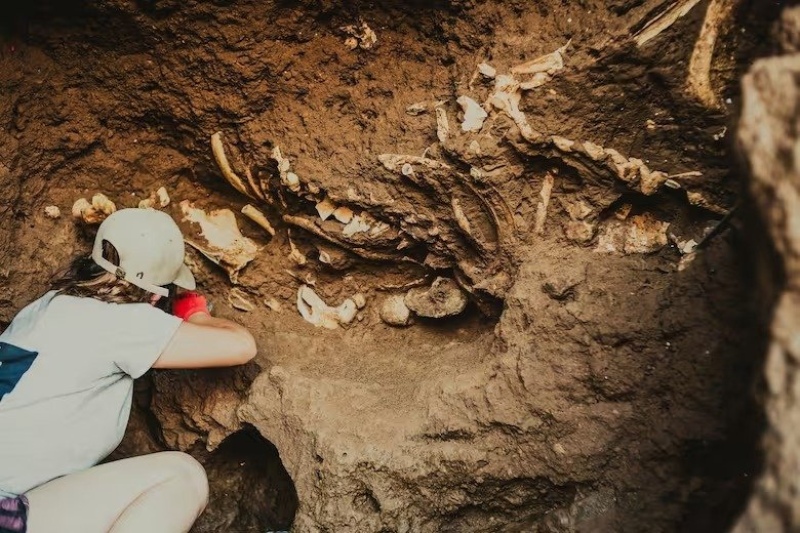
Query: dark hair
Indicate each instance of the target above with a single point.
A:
(86, 279)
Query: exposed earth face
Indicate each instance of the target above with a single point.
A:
(483, 307)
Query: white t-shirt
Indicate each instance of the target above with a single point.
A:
(70, 408)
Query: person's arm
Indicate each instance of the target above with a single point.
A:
(203, 341)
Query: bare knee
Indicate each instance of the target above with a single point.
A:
(186, 470)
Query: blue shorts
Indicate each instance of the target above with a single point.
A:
(13, 513)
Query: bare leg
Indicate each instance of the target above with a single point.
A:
(158, 493)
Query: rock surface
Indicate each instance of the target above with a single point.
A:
(768, 140)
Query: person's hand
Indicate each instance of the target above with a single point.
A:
(190, 303)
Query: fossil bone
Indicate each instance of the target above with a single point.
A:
(474, 114)
(258, 217)
(219, 239)
(94, 212)
(541, 208)
(315, 311)
(238, 300)
(218, 149)
(698, 83)
(160, 199)
(663, 21)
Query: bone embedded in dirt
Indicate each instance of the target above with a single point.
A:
(343, 214)
(258, 217)
(360, 300)
(325, 208)
(358, 224)
(315, 311)
(334, 256)
(361, 36)
(487, 71)
(273, 304)
(548, 63)
(698, 82)
(218, 149)
(96, 211)
(159, 198)
(395, 312)
(442, 299)
(638, 234)
(238, 300)
(442, 125)
(52, 211)
(295, 254)
(541, 207)
(474, 114)
(663, 21)
(219, 238)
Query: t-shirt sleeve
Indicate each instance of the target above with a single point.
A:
(142, 332)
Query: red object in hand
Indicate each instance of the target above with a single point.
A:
(188, 304)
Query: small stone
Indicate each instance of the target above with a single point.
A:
(360, 300)
(395, 312)
(52, 211)
(443, 298)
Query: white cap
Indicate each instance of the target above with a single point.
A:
(150, 248)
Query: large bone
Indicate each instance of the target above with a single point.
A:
(698, 83)
(663, 21)
(218, 149)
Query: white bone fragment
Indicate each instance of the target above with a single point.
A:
(325, 209)
(258, 217)
(315, 311)
(272, 304)
(238, 300)
(506, 97)
(474, 114)
(80, 205)
(548, 63)
(296, 255)
(219, 238)
(160, 199)
(562, 143)
(291, 181)
(218, 149)
(343, 214)
(487, 70)
(442, 125)
(541, 208)
(416, 109)
(52, 211)
(461, 218)
(94, 212)
(594, 151)
(698, 83)
(539, 79)
(360, 300)
(638, 234)
(357, 225)
(163, 197)
(663, 21)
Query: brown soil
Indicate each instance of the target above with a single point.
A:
(631, 379)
